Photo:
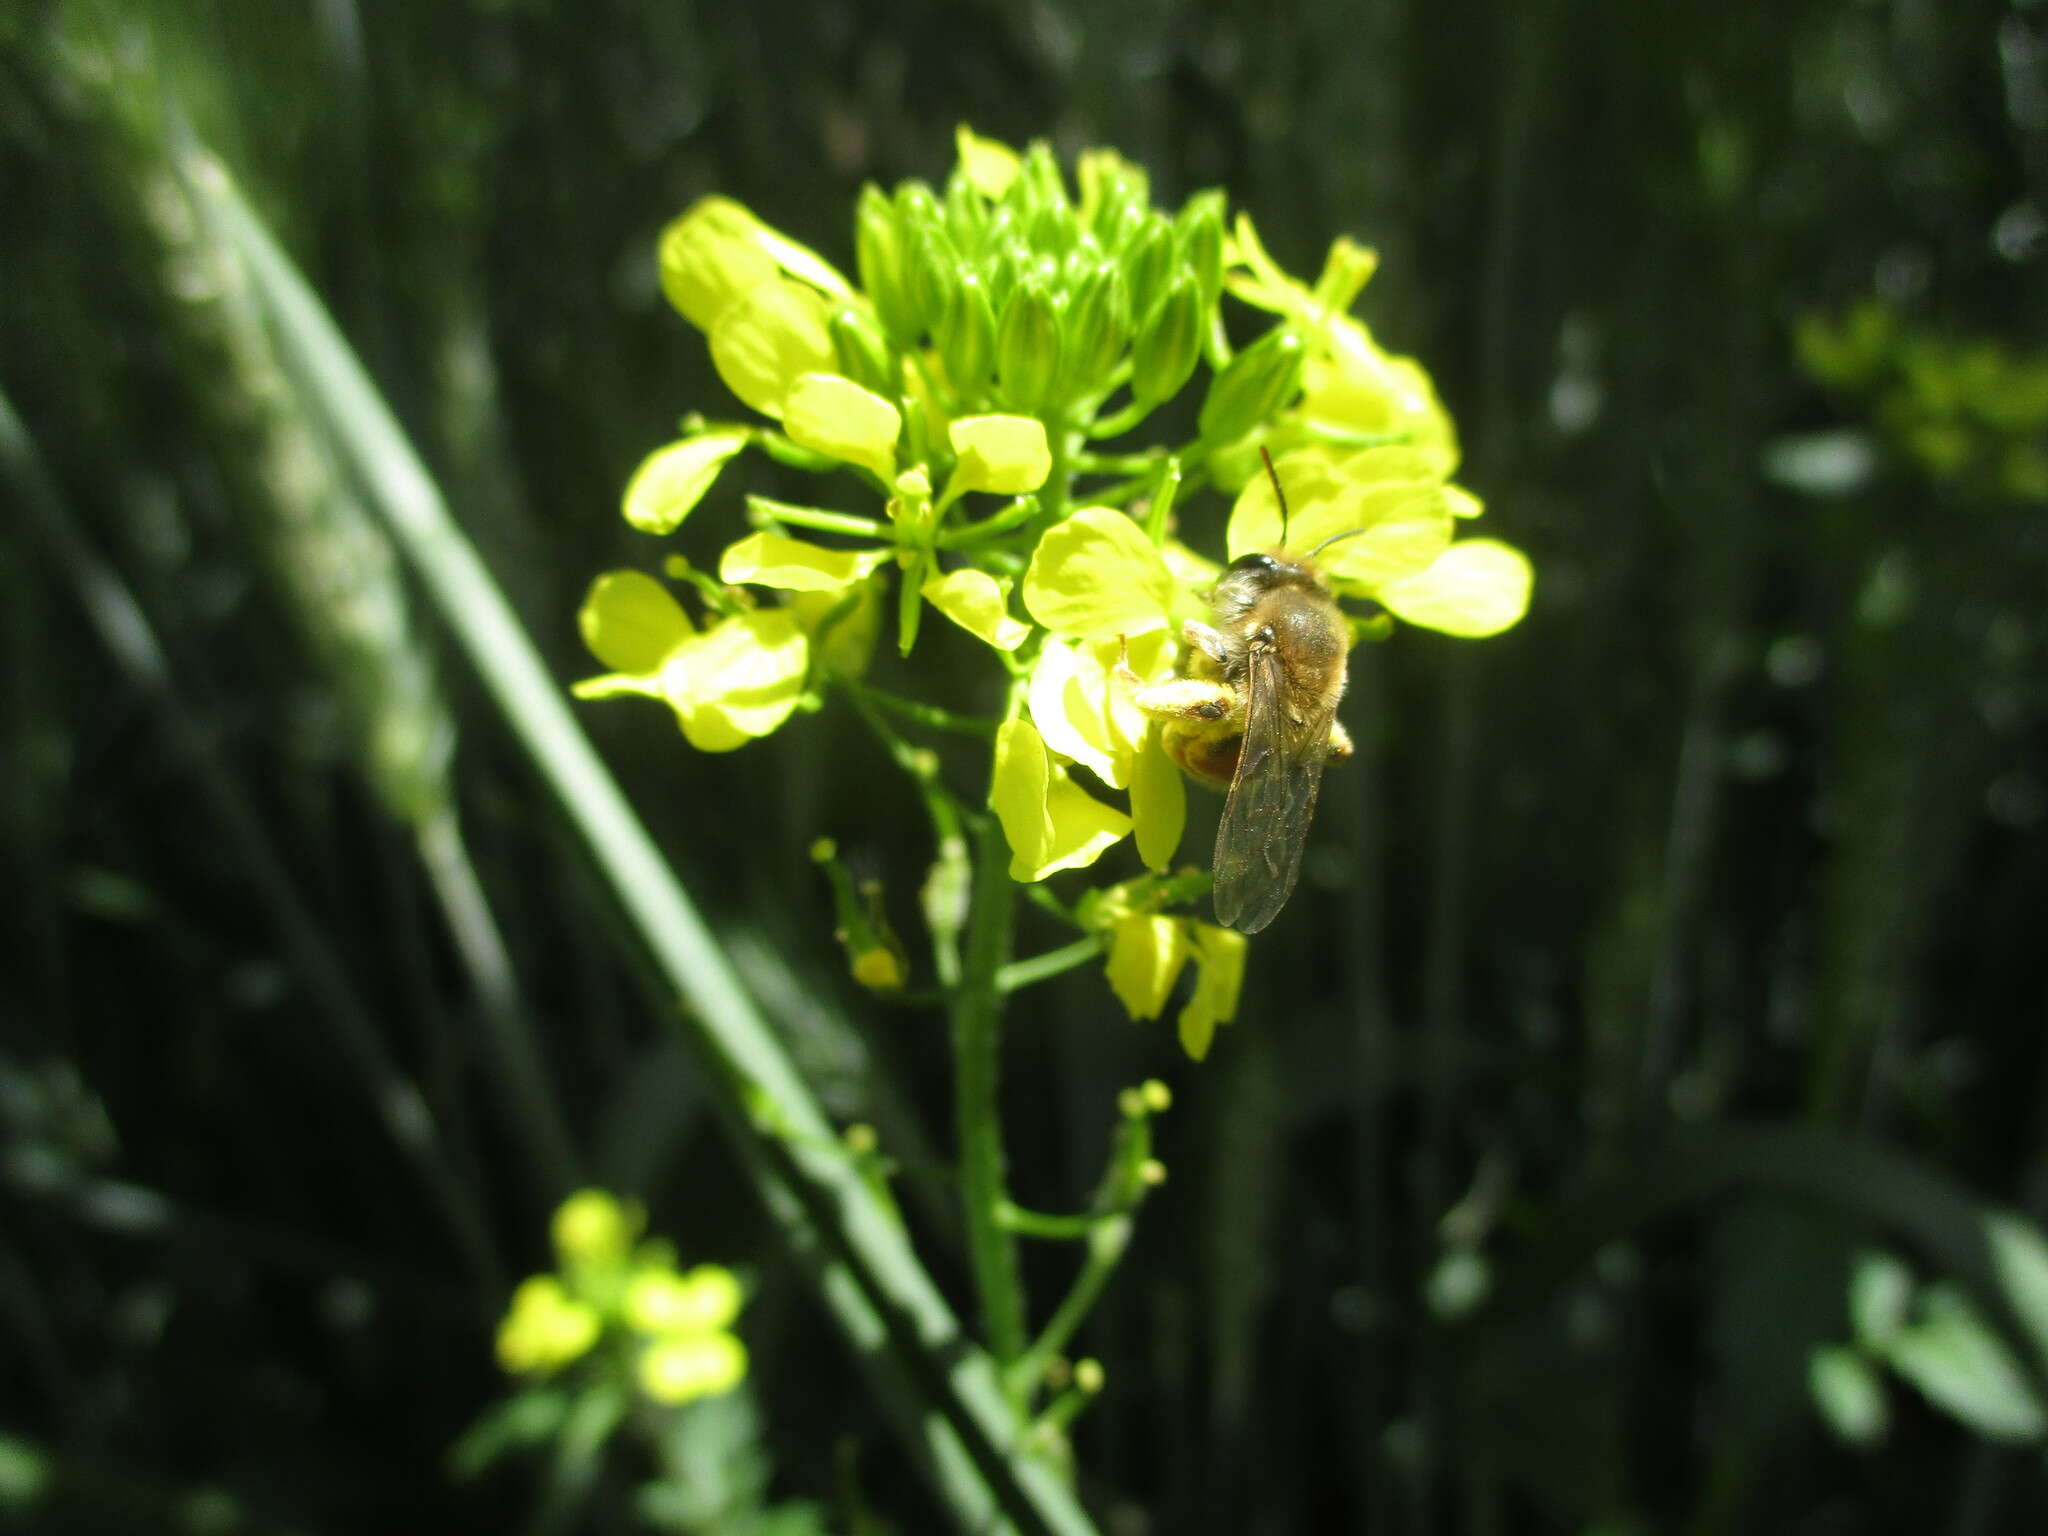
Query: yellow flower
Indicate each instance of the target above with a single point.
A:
(672, 480)
(545, 1329)
(1005, 454)
(678, 1370)
(835, 416)
(1050, 821)
(728, 685)
(660, 1301)
(592, 1227)
(1147, 953)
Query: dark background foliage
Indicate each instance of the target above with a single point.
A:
(1744, 824)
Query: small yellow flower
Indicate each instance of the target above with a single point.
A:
(592, 1227)
(1219, 959)
(545, 1328)
(660, 1301)
(730, 684)
(1146, 953)
(678, 1370)
(1050, 821)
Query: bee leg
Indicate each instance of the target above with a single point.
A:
(1340, 742)
(1188, 698)
(1198, 636)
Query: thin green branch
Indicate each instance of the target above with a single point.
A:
(977, 1017)
(1019, 974)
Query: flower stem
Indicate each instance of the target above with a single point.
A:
(1054, 962)
(977, 1015)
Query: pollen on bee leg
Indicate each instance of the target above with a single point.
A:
(1186, 698)
(1340, 742)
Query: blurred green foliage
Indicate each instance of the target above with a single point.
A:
(1657, 965)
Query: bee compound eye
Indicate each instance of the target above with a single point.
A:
(1255, 562)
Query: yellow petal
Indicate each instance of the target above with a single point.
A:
(775, 560)
(671, 481)
(1083, 828)
(988, 164)
(770, 337)
(1096, 574)
(1220, 956)
(1462, 502)
(738, 680)
(1005, 454)
(1146, 953)
(979, 604)
(1159, 804)
(1067, 708)
(1406, 525)
(1310, 480)
(842, 625)
(710, 259)
(1351, 385)
(836, 416)
(1017, 791)
(630, 622)
(1478, 587)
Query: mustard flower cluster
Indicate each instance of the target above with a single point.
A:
(1003, 329)
(617, 1298)
(1965, 411)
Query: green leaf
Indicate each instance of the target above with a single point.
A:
(671, 481)
(1961, 1366)
(1880, 1292)
(1848, 1393)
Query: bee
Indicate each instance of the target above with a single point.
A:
(1256, 716)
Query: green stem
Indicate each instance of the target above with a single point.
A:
(977, 1016)
(1015, 515)
(1044, 1224)
(1121, 421)
(521, 1065)
(919, 713)
(763, 513)
(946, 1395)
(1108, 1237)
(1023, 973)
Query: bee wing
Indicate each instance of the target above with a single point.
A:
(1272, 798)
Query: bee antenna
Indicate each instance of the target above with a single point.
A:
(1274, 475)
(1337, 538)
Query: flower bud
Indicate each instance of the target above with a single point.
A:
(1198, 240)
(967, 211)
(934, 273)
(966, 334)
(1053, 228)
(1028, 346)
(1148, 264)
(1096, 329)
(1252, 386)
(863, 351)
(879, 255)
(1169, 344)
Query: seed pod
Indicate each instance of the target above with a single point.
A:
(1169, 343)
(1252, 386)
(1028, 345)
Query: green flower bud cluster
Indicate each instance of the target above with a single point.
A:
(1035, 301)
